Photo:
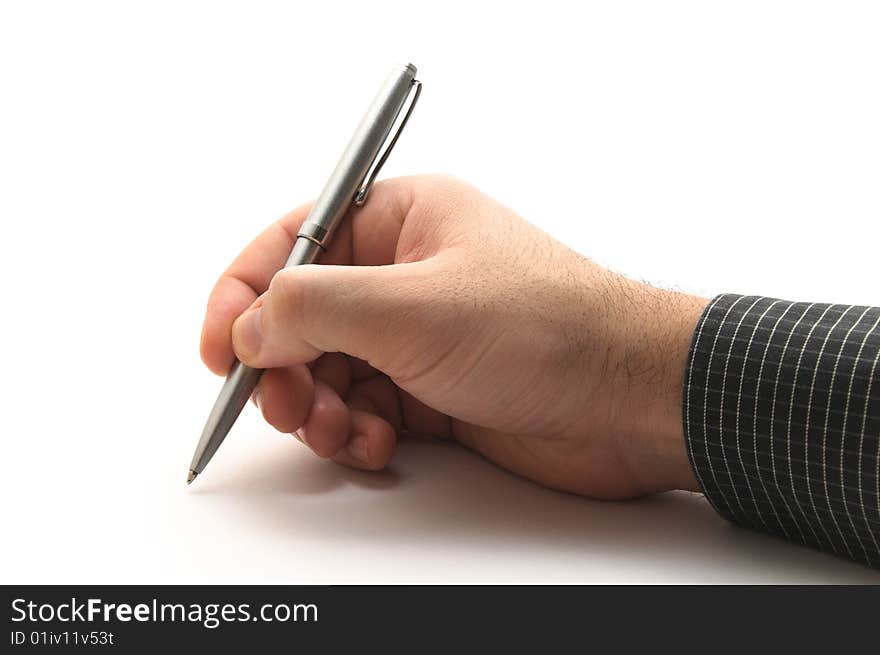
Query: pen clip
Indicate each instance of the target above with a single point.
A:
(360, 197)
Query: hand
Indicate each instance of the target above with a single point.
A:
(437, 311)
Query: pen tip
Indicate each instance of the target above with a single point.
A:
(192, 476)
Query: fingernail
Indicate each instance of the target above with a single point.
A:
(258, 399)
(357, 448)
(300, 435)
(249, 332)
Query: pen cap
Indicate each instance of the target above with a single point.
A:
(360, 154)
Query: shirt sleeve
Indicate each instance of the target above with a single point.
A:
(782, 419)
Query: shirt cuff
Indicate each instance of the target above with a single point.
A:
(782, 419)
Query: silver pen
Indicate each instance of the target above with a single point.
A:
(350, 183)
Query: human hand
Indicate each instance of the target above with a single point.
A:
(437, 311)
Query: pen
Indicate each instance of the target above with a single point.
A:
(350, 183)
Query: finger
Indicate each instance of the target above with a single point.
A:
(368, 237)
(333, 370)
(228, 300)
(369, 234)
(328, 425)
(285, 396)
(371, 444)
(358, 310)
(379, 396)
(247, 277)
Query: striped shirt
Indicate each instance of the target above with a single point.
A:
(782, 419)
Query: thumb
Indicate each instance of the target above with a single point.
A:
(312, 309)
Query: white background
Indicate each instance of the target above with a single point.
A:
(711, 147)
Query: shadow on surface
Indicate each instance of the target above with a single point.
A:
(439, 491)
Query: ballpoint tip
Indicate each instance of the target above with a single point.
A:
(192, 476)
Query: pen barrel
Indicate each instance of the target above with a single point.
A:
(237, 388)
(338, 194)
(241, 381)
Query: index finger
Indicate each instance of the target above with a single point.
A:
(246, 278)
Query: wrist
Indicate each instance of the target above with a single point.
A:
(651, 331)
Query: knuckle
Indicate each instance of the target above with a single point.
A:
(283, 295)
(282, 285)
(289, 297)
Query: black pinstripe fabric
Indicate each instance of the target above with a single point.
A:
(782, 419)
